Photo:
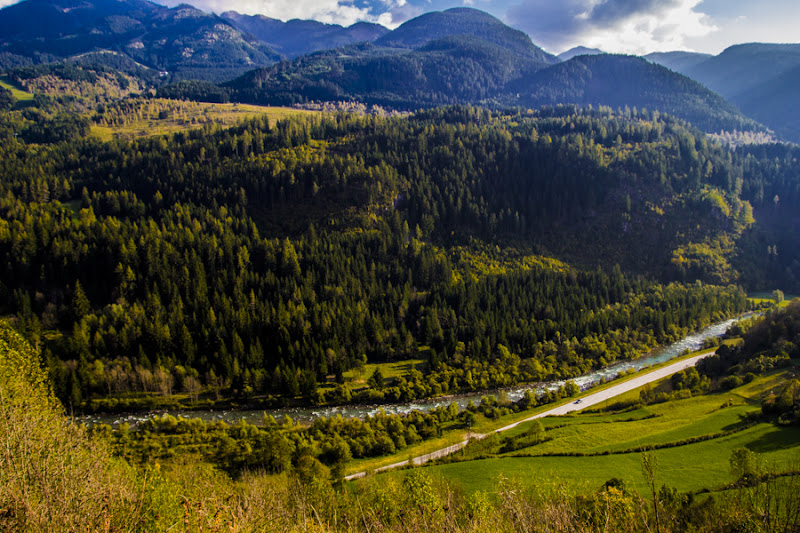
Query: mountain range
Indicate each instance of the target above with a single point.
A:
(456, 56)
(467, 56)
(460, 55)
(298, 37)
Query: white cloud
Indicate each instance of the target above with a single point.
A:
(619, 26)
(328, 11)
(654, 32)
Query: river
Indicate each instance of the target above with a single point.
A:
(689, 343)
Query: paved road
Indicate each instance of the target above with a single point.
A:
(586, 401)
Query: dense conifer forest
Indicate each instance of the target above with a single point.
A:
(269, 259)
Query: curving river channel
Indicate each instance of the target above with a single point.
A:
(690, 343)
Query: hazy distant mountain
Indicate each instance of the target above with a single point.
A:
(183, 40)
(776, 103)
(298, 37)
(579, 51)
(741, 68)
(619, 81)
(758, 78)
(677, 61)
(463, 21)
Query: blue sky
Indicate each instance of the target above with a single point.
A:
(621, 26)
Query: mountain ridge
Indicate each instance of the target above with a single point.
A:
(299, 37)
(184, 41)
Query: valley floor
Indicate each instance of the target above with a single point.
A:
(565, 408)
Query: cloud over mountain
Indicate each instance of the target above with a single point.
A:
(613, 25)
(388, 13)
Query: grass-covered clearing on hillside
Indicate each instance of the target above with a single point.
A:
(390, 371)
(767, 297)
(174, 116)
(22, 97)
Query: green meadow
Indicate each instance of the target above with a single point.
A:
(183, 116)
(22, 97)
(390, 371)
(713, 424)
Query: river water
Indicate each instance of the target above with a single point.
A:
(690, 343)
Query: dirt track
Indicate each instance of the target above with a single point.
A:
(585, 401)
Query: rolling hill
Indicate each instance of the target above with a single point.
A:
(620, 81)
(461, 69)
(450, 70)
(743, 67)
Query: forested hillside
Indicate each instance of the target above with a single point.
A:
(266, 257)
(445, 71)
(620, 81)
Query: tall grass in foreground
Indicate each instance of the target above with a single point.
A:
(52, 476)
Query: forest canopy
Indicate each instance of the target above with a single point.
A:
(268, 258)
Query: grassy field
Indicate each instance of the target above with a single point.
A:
(691, 467)
(766, 297)
(182, 116)
(390, 371)
(22, 97)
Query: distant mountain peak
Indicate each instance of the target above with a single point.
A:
(435, 25)
(579, 51)
(677, 61)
